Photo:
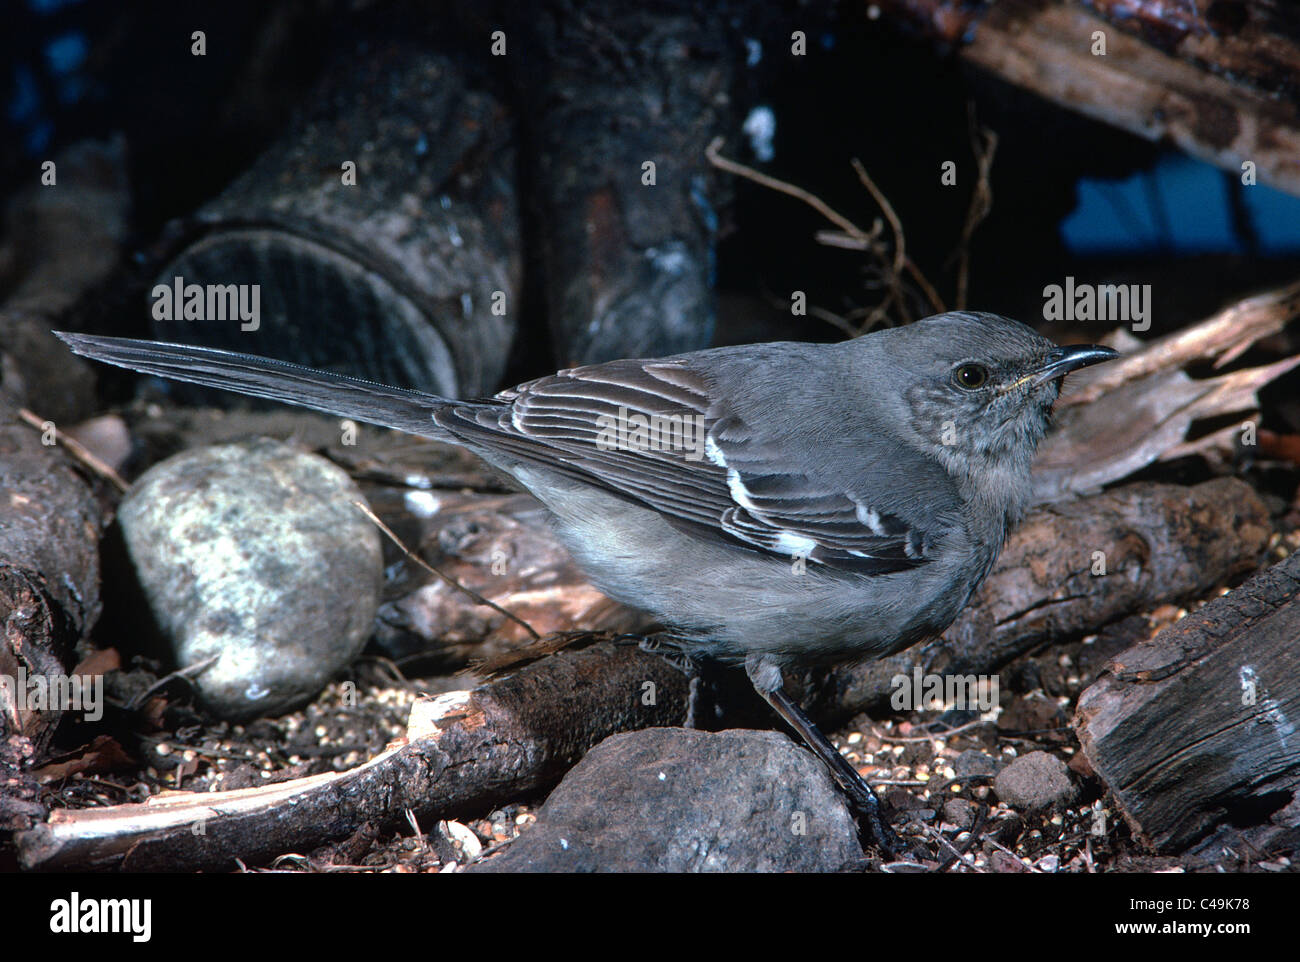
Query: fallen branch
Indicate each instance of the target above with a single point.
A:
(49, 576)
(1203, 98)
(466, 751)
(1195, 725)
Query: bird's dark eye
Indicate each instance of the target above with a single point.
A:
(971, 376)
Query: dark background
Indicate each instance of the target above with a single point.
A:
(1069, 196)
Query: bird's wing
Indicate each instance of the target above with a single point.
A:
(717, 476)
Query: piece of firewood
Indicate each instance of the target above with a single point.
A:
(626, 207)
(1159, 542)
(380, 233)
(1206, 109)
(1198, 725)
(466, 751)
(50, 524)
(1256, 42)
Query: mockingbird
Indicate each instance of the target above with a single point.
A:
(808, 503)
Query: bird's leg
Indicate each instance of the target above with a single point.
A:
(766, 678)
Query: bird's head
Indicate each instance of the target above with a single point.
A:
(976, 390)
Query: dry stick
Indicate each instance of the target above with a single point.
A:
(858, 239)
(1006, 851)
(893, 867)
(900, 250)
(946, 733)
(981, 201)
(75, 448)
(184, 673)
(926, 287)
(956, 854)
(816, 203)
(474, 595)
(901, 260)
(822, 314)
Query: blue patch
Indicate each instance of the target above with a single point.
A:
(1181, 205)
(66, 53)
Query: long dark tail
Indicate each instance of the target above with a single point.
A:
(349, 397)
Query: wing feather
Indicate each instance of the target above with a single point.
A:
(741, 487)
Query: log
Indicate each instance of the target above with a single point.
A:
(609, 88)
(410, 275)
(49, 575)
(1161, 543)
(466, 751)
(1196, 725)
(1195, 98)
(1254, 42)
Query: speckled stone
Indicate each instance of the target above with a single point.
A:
(255, 553)
(1035, 782)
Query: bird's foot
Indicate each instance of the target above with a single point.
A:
(766, 678)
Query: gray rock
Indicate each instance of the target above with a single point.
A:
(253, 552)
(959, 812)
(1034, 782)
(974, 762)
(675, 800)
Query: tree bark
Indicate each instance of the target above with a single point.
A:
(1180, 81)
(1196, 726)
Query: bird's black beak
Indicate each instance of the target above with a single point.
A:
(1066, 359)
(1063, 360)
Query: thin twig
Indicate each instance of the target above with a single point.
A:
(852, 238)
(984, 144)
(901, 260)
(1006, 851)
(947, 732)
(896, 225)
(813, 201)
(926, 287)
(468, 592)
(183, 673)
(972, 836)
(75, 448)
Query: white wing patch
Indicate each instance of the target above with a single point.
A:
(739, 493)
(795, 544)
(714, 453)
(870, 518)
